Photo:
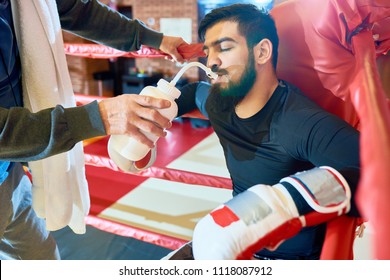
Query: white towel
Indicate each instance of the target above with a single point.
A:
(60, 190)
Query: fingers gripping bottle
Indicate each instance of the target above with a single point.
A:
(125, 150)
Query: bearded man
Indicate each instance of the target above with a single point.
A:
(286, 156)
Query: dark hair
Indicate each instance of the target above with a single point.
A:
(253, 23)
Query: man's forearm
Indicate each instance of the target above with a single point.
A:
(97, 22)
(27, 136)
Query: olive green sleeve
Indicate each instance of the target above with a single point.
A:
(27, 136)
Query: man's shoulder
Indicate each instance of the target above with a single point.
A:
(295, 91)
(297, 101)
(298, 112)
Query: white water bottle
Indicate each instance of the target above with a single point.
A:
(125, 150)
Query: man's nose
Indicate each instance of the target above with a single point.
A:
(213, 62)
(214, 68)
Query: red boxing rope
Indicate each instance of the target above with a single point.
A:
(140, 234)
(188, 51)
(369, 99)
(164, 173)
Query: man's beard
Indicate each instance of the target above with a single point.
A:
(226, 99)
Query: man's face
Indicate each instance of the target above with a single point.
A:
(229, 57)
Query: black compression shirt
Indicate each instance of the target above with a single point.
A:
(289, 134)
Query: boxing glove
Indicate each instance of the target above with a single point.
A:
(264, 216)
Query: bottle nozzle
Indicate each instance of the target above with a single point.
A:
(208, 71)
(211, 74)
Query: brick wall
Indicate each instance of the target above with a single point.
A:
(156, 9)
(81, 70)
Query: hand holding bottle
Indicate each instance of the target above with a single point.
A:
(126, 150)
(130, 114)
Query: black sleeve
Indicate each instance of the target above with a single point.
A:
(193, 96)
(330, 141)
(325, 139)
(352, 176)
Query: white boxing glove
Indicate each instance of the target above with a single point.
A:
(129, 165)
(264, 216)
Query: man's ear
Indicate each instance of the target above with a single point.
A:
(263, 51)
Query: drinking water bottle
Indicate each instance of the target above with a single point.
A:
(125, 150)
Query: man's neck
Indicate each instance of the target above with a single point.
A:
(258, 96)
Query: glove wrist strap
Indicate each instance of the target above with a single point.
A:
(324, 189)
